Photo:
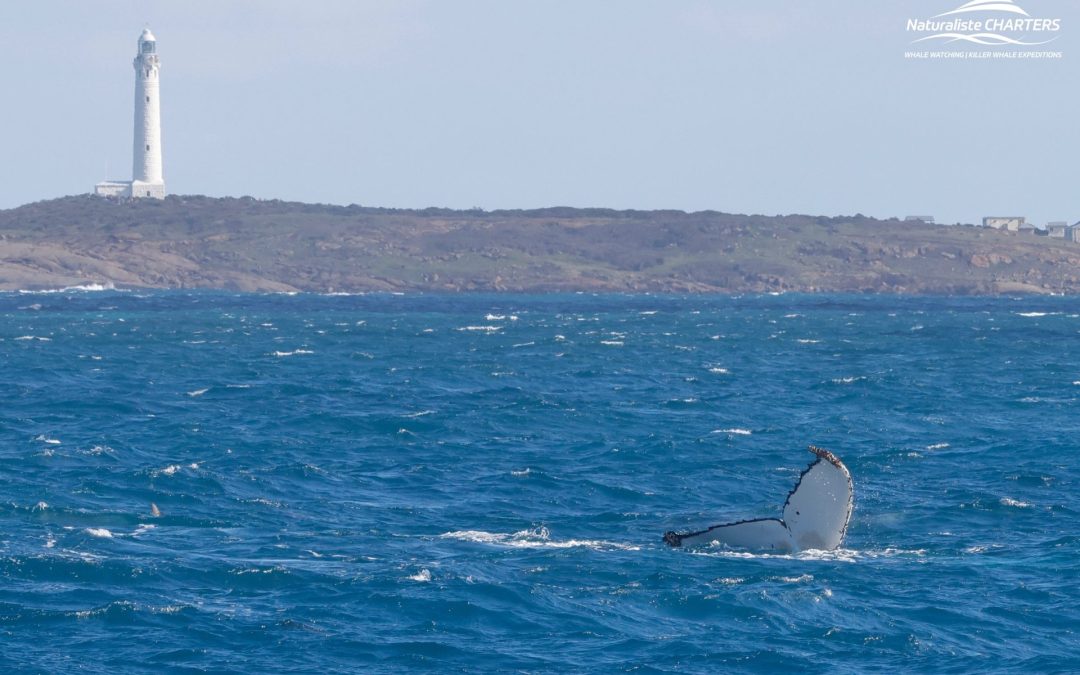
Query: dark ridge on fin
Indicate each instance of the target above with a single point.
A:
(672, 539)
(825, 455)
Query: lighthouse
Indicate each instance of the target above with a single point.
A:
(146, 177)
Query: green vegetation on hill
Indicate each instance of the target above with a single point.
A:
(253, 245)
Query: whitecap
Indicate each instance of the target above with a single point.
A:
(423, 576)
(1033, 315)
(167, 471)
(198, 392)
(485, 329)
(719, 371)
(535, 538)
(45, 439)
(33, 337)
(84, 288)
(806, 341)
(1009, 501)
(801, 579)
(839, 555)
(292, 353)
(735, 431)
(937, 446)
(107, 286)
(99, 532)
(523, 472)
(612, 343)
(847, 380)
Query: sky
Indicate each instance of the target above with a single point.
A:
(741, 106)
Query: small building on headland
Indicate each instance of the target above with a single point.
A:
(1073, 233)
(1057, 229)
(929, 220)
(1010, 223)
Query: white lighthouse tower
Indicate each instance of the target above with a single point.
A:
(146, 177)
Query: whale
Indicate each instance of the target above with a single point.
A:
(815, 516)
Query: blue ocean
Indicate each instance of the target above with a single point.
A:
(215, 482)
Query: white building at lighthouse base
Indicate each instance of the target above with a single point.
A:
(130, 189)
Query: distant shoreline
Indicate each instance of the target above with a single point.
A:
(244, 244)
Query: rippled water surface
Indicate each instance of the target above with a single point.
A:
(271, 483)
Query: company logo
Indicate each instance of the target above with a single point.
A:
(985, 23)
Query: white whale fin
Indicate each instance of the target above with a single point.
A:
(816, 515)
(763, 534)
(817, 511)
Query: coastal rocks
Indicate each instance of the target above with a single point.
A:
(985, 260)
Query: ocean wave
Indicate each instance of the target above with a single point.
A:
(423, 576)
(81, 288)
(734, 431)
(295, 352)
(1009, 501)
(848, 380)
(839, 555)
(173, 469)
(535, 538)
(481, 329)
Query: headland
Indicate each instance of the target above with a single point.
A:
(247, 244)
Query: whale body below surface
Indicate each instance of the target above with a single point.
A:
(816, 515)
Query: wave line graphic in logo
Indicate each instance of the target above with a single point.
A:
(981, 39)
(958, 25)
(987, 6)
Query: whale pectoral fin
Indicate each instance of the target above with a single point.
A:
(765, 534)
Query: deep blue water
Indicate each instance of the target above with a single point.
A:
(480, 483)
